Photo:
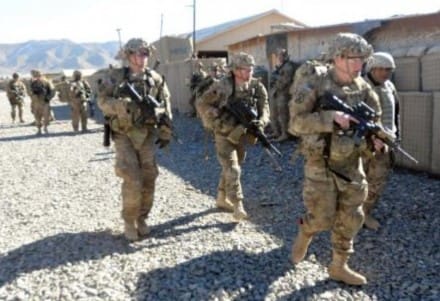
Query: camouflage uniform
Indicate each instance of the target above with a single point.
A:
(196, 79)
(280, 96)
(335, 186)
(41, 92)
(378, 167)
(230, 137)
(80, 93)
(15, 92)
(134, 141)
(63, 89)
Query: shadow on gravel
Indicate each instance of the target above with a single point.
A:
(58, 250)
(212, 275)
(49, 135)
(173, 228)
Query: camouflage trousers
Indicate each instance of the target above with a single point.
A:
(230, 157)
(378, 169)
(41, 111)
(333, 203)
(136, 165)
(79, 112)
(279, 113)
(17, 106)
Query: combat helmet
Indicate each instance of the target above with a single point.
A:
(283, 54)
(15, 75)
(77, 74)
(242, 59)
(35, 73)
(136, 45)
(380, 60)
(349, 43)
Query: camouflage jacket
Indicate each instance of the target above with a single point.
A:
(15, 91)
(41, 89)
(389, 102)
(220, 92)
(111, 99)
(80, 90)
(316, 127)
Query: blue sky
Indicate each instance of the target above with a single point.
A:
(97, 20)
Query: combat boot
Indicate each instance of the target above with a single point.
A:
(130, 232)
(239, 212)
(235, 135)
(371, 223)
(45, 130)
(223, 203)
(340, 271)
(300, 246)
(142, 227)
(39, 131)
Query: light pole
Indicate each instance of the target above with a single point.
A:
(119, 37)
(194, 54)
(194, 29)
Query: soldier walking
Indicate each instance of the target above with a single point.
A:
(41, 92)
(380, 67)
(135, 132)
(230, 136)
(335, 186)
(15, 92)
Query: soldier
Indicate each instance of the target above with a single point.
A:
(196, 78)
(16, 92)
(135, 133)
(41, 92)
(230, 137)
(280, 84)
(63, 89)
(80, 93)
(215, 73)
(335, 186)
(379, 68)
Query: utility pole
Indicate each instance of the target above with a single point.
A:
(194, 29)
(194, 54)
(119, 37)
(161, 25)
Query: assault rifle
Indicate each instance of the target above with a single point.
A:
(366, 126)
(83, 92)
(107, 132)
(149, 107)
(245, 115)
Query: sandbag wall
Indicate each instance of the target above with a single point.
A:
(417, 78)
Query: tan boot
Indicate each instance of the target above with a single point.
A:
(371, 223)
(300, 246)
(223, 203)
(130, 232)
(340, 271)
(239, 212)
(142, 227)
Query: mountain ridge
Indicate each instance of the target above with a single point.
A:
(55, 55)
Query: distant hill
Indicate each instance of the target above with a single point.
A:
(54, 55)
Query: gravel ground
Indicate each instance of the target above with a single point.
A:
(61, 235)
